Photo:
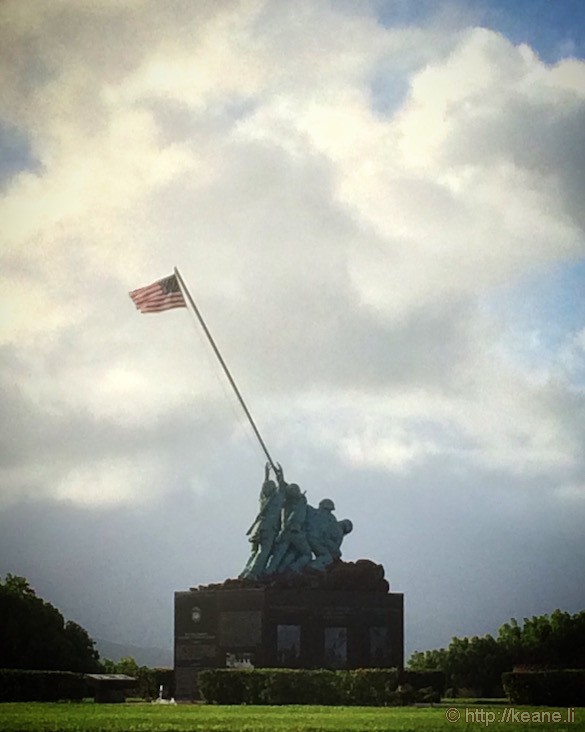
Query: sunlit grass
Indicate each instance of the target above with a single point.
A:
(66, 717)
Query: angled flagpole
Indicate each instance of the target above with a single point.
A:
(223, 365)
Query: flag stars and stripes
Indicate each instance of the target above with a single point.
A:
(162, 295)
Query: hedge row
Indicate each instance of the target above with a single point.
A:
(562, 688)
(21, 685)
(149, 680)
(362, 687)
(423, 679)
(166, 678)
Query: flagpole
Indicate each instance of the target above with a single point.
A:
(223, 365)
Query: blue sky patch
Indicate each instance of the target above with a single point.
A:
(15, 154)
(543, 314)
(554, 28)
(388, 90)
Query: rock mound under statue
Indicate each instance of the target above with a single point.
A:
(360, 575)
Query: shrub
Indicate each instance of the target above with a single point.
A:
(222, 686)
(555, 688)
(164, 677)
(428, 695)
(404, 695)
(361, 687)
(25, 685)
(423, 679)
(370, 687)
(298, 686)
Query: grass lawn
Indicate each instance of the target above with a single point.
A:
(68, 717)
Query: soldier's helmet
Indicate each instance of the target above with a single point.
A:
(268, 488)
(293, 490)
(327, 504)
(346, 526)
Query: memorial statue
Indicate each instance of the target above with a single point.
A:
(325, 534)
(288, 535)
(291, 549)
(266, 525)
(340, 531)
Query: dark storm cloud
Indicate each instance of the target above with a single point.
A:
(482, 552)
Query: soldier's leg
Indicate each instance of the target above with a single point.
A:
(322, 556)
(258, 565)
(302, 550)
(245, 572)
(278, 553)
(287, 560)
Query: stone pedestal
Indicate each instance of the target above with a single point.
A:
(226, 626)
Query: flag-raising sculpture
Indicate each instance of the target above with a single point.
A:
(288, 536)
(296, 603)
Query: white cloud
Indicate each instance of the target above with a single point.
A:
(104, 482)
(330, 245)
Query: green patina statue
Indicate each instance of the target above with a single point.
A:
(288, 535)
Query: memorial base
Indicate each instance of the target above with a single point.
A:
(270, 627)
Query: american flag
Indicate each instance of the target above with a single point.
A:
(162, 295)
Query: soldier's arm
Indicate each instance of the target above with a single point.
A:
(280, 476)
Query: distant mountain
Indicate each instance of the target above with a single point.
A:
(144, 656)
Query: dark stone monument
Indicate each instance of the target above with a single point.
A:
(296, 604)
(342, 619)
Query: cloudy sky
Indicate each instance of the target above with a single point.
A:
(378, 207)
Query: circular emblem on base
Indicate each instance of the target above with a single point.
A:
(196, 614)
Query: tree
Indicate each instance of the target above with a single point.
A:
(147, 687)
(34, 635)
(428, 660)
(127, 665)
(18, 586)
(83, 655)
(477, 664)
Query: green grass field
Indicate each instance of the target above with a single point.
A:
(64, 717)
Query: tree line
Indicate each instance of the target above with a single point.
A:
(34, 634)
(474, 666)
